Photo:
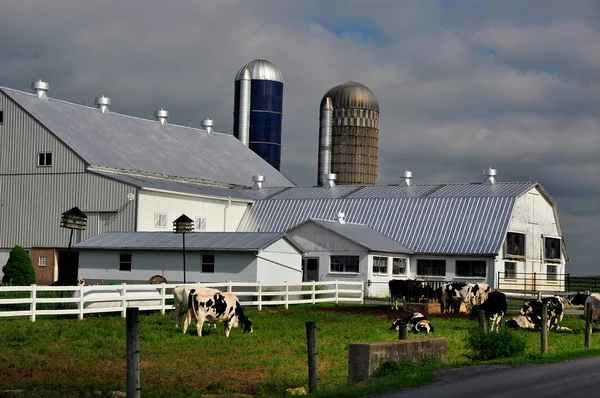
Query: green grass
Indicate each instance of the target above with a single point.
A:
(68, 357)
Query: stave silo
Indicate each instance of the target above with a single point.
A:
(258, 109)
(349, 135)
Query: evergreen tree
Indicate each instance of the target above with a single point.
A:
(18, 270)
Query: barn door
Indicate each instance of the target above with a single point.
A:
(310, 269)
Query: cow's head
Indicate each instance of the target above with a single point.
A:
(396, 324)
(578, 299)
(247, 325)
(526, 309)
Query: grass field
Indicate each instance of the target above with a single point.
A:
(68, 357)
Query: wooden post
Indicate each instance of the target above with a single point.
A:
(337, 293)
(313, 359)
(162, 298)
(402, 331)
(124, 299)
(80, 302)
(313, 292)
(588, 325)
(133, 352)
(544, 328)
(482, 321)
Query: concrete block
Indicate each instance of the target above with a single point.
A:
(365, 358)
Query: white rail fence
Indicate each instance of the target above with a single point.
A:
(81, 300)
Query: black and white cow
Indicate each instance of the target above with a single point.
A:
(556, 310)
(216, 308)
(407, 290)
(181, 294)
(416, 323)
(495, 308)
(456, 293)
(529, 321)
(584, 299)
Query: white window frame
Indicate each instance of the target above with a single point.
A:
(345, 272)
(160, 220)
(552, 276)
(524, 248)
(433, 259)
(402, 260)
(45, 162)
(43, 261)
(548, 259)
(385, 267)
(471, 268)
(510, 273)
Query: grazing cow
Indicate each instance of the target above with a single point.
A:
(216, 308)
(556, 309)
(181, 294)
(529, 321)
(495, 308)
(407, 290)
(415, 323)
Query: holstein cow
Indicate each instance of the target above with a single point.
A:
(556, 309)
(415, 323)
(181, 294)
(524, 322)
(407, 290)
(216, 308)
(495, 308)
(456, 293)
(584, 299)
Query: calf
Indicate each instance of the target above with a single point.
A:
(181, 294)
(495, 308)
(556, 306)
(216, 308)
(415, 323)
(524, 322)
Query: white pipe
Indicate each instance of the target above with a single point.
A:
(244, 122)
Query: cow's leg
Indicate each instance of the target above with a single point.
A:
(187, 321)
(227, 325)
(200, 323)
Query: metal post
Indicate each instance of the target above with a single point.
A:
(588, 325)
(544, 328)
(313, 360)
(402, 331)
(133, 352)
(482, 321)
(184, 280)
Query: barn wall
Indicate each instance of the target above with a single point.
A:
(4, 254)
(219, 213)
(279, 262)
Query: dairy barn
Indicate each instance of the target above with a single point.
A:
(251, 223)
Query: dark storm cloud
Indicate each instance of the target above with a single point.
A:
(462, 85)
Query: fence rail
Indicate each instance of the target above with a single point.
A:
(534, 281)
(33, 301)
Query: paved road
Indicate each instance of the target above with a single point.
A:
(576, 378)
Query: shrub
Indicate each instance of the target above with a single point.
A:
(504, 344)
(18, 270)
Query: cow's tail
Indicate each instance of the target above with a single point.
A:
(192, 304)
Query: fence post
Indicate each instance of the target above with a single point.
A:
(162, 298)
(33, 304)
(568, 282)
(535, 281)
(588, 325)
(133, 352)
(313, 292)
(402, 331)
(362, 293)
(544, 328)
(337, 293)
(80, 302)
(124, 301)
(229, 287)
(498, 281)
(259, 296)
(287, 293)
(482, 321)
(313, 359)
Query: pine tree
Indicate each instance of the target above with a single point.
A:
(18, 270)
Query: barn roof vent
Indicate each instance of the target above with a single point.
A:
(340, 218)
(490, 176)
(258, 181)
(103, 103)
(161, 115)
(329, 180)
(406, 178)
(207, 124)
(40, 88)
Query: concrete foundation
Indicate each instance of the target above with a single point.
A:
(366, 358)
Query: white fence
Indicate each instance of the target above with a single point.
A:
(81, 300)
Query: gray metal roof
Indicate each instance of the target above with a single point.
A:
(451, 225)
(260, 69)
(338, 191)
(351, 95)
(363, 235)
(130, 143)
(221, 241)
(513, 189)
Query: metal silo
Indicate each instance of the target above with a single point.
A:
(349, 135)
(258, 109)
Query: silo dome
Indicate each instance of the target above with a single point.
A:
(260, 69)
(351, 95)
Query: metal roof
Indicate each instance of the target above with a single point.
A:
(130, 143)
(221, 241)
(338, 191)
(260, 69)
(351, 95)
(511, 189)
(450, 225)
(363, 236)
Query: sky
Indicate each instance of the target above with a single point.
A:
(462, 85)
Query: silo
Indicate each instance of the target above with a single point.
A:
(258, 109)
(349, 135)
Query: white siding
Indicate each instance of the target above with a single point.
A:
(4, 254)
(278, 263)
(219, 213)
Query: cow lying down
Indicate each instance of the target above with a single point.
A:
(220, 307)
(415, 323)
(530, 321)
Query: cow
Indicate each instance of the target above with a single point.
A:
(407, 290)
(529, 321)
(219, 307)
(583, 299)
(495, 308)
(556, 309)
(456, 293)
(181, 294)
(415, 323)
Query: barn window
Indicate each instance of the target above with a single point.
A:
(1, 117)
(160, 220)
(552, 272)
(380, 265)
(43, 261)
(510, 270)
(125, 262)
(200, 224)
(515, 244)
(344, 264)
(398, 266)
(552, 249)
(45, 159)
(431, 267)
(208, 263)
(471, 268)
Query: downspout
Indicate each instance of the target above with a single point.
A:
(225, 214)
